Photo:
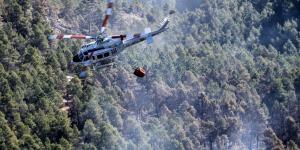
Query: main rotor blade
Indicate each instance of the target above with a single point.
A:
(76, 36)
(108, 13)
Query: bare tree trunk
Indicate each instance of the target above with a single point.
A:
(226, 146)
(157, 111)
(211, 146)
(137, 114)
(250, 143)
(257, 142)
(283, 126)
(298, 99)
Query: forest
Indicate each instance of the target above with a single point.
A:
(225, 76)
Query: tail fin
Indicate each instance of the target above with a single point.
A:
(165, 23)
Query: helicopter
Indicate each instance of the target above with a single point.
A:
(104, 49)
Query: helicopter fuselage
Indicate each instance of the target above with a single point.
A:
(104, 51)
(105, 48)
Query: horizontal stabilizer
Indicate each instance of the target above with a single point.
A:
(149, 40)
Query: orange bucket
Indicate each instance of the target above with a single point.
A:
(140, 72)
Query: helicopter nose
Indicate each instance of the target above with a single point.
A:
(76, 58)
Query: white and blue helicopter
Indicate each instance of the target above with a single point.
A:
(102, 52)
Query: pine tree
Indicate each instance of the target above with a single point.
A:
(90, 133)
(8, 139)
(271, 140)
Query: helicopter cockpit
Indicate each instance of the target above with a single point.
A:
(100, 38)
(84, 46)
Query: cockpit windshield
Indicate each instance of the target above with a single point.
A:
(102, 38)
(86, 45)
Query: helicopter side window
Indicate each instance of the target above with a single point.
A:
(100, 56)
(106, 54)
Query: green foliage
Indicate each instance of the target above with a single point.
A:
(29, 98)
(8, 138)
(225, 76)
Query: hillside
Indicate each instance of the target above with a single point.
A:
(225, 76)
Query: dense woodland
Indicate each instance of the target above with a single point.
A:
(225, 76)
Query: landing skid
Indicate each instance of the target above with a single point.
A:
(106, 63)
(96, 67)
